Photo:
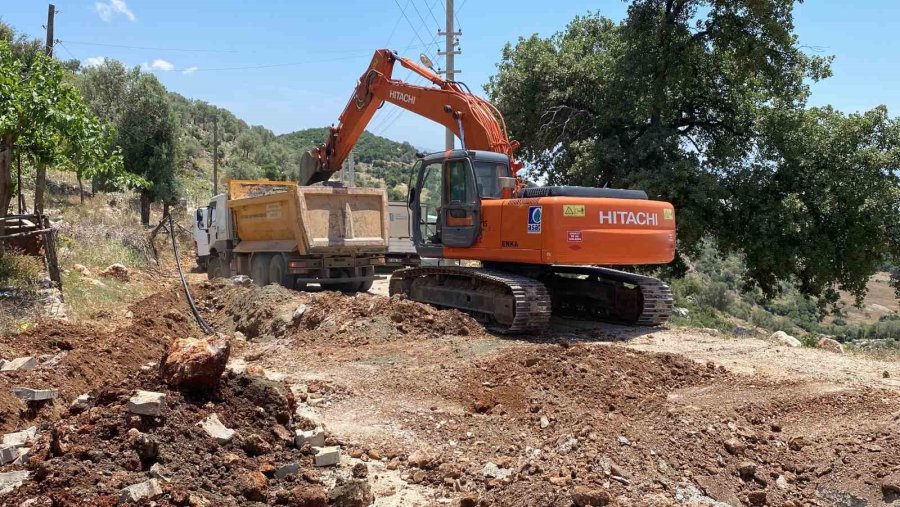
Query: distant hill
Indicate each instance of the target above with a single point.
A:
(253, 151)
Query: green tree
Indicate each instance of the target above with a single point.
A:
(148, 136)
(690, 100)
(42, 114)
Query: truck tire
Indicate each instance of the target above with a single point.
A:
(215, 267)
(365, 286)
(278, 272)
(346, 287)
(259, 269)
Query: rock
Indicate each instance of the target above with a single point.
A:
(81, 269)
(309, 495)
(117, 271)
(584, 496)
(147, 447)
(29, 394)
(734, 446)
(274, 397)
(351, 493)
(681, 312)
(781, 482)
(12, 480)
(242, 280)
(24, 454)
(315, 438)
(326, 456)
(360, 470)
(420, 459)
(147, 403)
(140, 491)
(747, 470)
(20, 363)
(374, 454)
(195, 364)
(301, 309)
(286, 470)
(253, 486)
(757, 497)
(785, 339)
(81, 403)
(891, 484)
(20, 438)
(623, 441)
(157, 471)
(830, 344)
(215, 429)
(797, 443)
(492, 470)
(545, 423)
(255, 445)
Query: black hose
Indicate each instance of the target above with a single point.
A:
(187, 292)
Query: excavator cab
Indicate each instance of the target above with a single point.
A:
(446, 194)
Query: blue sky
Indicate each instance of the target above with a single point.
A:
(317, 49)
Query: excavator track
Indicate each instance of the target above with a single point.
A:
(507, 302)
(609, 295)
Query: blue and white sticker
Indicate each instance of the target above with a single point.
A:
(534, 219)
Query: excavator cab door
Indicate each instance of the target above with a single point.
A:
(461, 213)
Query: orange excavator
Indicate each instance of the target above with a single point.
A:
(540, 248)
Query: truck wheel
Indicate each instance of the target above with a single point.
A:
(278, 272)
(259, 269)
(365, 286)
(215, 267)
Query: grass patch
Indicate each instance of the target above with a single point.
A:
(18, 291)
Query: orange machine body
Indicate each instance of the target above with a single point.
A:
(573, 230)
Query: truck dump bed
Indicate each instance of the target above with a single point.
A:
(275, 216)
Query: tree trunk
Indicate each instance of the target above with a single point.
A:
(145, 208)
(5, 184)
(40, 186)
(80, 189)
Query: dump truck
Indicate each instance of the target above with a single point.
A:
(280, 232)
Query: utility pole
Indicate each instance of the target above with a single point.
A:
(449, 52)
(51, 11)
(351, 170)
(216, 155)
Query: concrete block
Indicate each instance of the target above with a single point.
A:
(20, 363)
(140, 491)
(29, 394)
(147, 403)
(327, 456)
(286, 470)
(24, 454)
(315, 438)
(20, 438)
(12, 480)
(214, 428)
(8, 454)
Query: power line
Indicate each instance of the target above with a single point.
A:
(455, 14)
(394, 30)
(183, 50)
(415, 31)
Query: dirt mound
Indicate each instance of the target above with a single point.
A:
(639, 427)
(332, 317)
(77, 358)
(87, 458)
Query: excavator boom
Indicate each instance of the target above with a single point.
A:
(475, 121)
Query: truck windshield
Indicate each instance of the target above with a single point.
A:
(488, 175)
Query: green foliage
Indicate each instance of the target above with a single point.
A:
(19, 271)
(702, 103)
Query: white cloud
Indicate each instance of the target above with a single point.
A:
(189, 70)
(114, 7)
(93, 61)
(157, 64)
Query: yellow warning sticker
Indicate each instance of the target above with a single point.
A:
(573, 210)
(668, 214)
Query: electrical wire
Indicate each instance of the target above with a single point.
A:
(415, 31)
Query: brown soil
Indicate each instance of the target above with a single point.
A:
(446, 413)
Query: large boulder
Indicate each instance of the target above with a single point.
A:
(195, 364)
(782, 338)
(830, 344)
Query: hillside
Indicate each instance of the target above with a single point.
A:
(253, 151)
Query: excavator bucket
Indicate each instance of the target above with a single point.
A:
(310, 170)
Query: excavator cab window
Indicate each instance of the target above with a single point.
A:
(488, 175)
(430, 202)
(461, 213)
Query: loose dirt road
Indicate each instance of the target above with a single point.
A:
(442, 412)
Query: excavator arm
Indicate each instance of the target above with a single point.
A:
(475, 121)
